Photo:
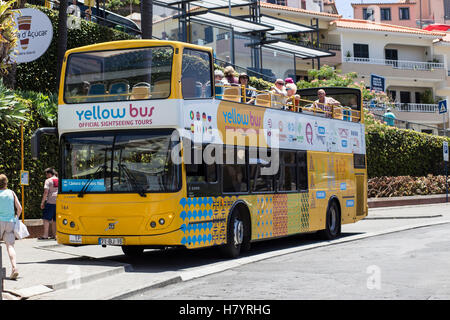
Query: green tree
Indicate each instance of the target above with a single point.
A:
(328, 76)
(8, 37)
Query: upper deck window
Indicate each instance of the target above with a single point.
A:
(196, 74)
(116, 75)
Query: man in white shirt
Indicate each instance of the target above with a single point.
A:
(325, 103)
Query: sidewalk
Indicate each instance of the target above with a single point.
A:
(46, 268)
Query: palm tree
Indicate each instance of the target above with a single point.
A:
(147, 18)
(62, 38)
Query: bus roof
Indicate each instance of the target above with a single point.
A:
(127, 44)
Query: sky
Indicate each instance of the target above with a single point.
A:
(345, 9)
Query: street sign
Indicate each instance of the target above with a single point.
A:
(445, 150)
(377, 83)
(442, 106)
(24, 178)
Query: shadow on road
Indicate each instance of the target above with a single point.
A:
(176, 259)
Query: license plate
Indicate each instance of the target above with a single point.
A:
(75, 239)
(110, 241)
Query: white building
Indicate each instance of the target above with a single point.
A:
(414, 63)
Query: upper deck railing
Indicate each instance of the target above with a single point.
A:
(269, 99)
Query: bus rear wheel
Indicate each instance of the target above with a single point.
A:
(133, 251)
(333, 222)
(235, 236)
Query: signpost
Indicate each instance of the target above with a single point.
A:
(445, 154)
(377, 83)
(442, 105)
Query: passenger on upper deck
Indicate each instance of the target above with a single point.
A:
(229, 75)
(278, 94)
(325, 103)
(250, 92)
(220, 81)
(293, 99)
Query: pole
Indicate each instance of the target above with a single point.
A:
(22, 156)
(446, 180)
(1, 274)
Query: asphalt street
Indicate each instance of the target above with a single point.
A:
(410, 264)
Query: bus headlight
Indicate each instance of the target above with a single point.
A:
(65, 222)
(153, 224)
(72, 224)
(162, 221)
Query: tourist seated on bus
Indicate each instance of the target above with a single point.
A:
(279, 94)
(325, 103)
(293, 99)
(229, 75)
(220, 82)
(250, 92)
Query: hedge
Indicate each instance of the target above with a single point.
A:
(399, 152)
(40, 75)
(10, 150)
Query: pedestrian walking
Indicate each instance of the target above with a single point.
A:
(48, 203)
(9, 202)
(389, 117)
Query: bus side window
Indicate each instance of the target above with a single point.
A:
(235, 177)
(196, 74)
(287, 175)
(302, 170)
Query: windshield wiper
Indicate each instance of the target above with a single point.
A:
(86, 185)
(132, 179)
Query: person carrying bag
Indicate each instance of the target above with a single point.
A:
(9, 202)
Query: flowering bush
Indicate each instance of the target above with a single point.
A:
(406, 186)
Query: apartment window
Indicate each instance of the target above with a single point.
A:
(405, 97)
(304, 4)
(368, 14)
(392, 94)
(403, 13)
(385, 13)
(417, 97)
(361, 50)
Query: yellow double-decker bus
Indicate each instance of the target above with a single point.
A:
(152, 157)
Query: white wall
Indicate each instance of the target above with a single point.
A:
(378, 41)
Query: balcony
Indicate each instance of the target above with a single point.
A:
(407, 107)
(432, 71)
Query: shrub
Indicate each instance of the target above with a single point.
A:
(400, 152)
(406, 186)
(10, 148)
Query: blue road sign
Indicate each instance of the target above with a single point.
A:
(442, 106)
(377, 83)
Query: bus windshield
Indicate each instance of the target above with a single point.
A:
(119, 162)
(116, 75)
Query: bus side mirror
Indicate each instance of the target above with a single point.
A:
(36, 139)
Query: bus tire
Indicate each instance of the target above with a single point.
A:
(333, 222)
(133, 251)
(235, 235)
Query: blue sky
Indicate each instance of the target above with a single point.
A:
(345, 9)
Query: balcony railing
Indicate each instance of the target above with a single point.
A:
(398, 64)
(406, 107)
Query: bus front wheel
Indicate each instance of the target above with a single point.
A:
(132, 251)
(333, 222)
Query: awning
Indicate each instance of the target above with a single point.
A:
(297, 50)
(283, 26)
(223, 20)
(210, 4)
